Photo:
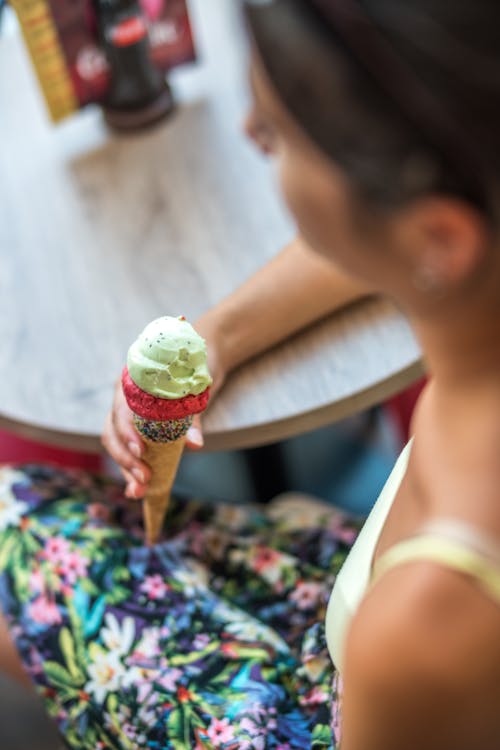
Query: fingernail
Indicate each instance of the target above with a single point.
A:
(195, 436)
(138, 475)
(134, 449)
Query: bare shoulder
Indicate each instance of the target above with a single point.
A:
(422, 664)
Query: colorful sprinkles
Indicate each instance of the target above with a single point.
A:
(163, 432)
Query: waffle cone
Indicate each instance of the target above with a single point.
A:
(163, 460)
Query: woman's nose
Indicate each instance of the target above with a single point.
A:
(256, 133)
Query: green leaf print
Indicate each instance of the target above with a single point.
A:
(112, 703)
(66, 508)
(78, 709)
(77, 631)
(8, 543)
(60, 677)
(182, 659)
(89, 587)
(67, 646)
(109, 742)
(117, 595)
(99, 535)
(321, 737)
(112, 706)
(224, 676)
(178, 729)
(174, 723)
(73, 738)
(121, 573)
(20, 573)
(31, 544)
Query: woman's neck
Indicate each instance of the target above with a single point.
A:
(463, 352)
(460, 334)
(461, 346)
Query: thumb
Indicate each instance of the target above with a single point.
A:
(194, 439)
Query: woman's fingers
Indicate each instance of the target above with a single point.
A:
(134, 490)
(125, 446)
(124, 426)
(194, 439)
(120, 452)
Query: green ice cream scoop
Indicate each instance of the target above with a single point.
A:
(169, 359)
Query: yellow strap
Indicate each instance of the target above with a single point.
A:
(446, 552)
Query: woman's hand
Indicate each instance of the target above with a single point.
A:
(124, 444)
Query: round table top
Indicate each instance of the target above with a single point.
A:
(100, 233)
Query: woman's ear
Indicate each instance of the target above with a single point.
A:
(444, 240)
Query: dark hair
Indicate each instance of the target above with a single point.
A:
(334, 86)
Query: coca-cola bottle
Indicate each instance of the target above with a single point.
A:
(138, 94)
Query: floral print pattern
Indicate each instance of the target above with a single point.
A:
(212, 639)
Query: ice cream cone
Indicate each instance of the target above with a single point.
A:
(165, 383)
(163, 460)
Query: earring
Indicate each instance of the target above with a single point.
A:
(428, 279)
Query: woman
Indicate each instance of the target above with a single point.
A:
(382, 118)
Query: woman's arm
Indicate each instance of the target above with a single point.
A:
(421, 665)
(294, 289)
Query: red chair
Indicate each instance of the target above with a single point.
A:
(401, 406)
(18, 450)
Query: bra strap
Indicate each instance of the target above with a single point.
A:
(446, 552)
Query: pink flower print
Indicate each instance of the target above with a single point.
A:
(265, 557)
(74, 567)
(149, 646)
(348, 536)
(37, 581)
(249, 726)
(314, 697)
(220, 731)
(286, 746)
(345, 534)
(44, 611)
(143, 692)
(258, 711)
(336, 724)
(35, 663)
(154, 586)
(56, 550)
(201, 641)
(169, 679)
(306, 595)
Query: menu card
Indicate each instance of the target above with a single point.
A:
(62, 39)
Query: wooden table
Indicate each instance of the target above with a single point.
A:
(100, 233)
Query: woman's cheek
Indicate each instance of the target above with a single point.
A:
(295, 190)
(307, 208)
(323, 214)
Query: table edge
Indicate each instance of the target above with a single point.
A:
(244, 437)
(289, 427)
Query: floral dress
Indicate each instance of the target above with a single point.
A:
(214, 638)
